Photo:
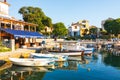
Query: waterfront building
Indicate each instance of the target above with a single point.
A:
(79, 28)
(16, 33)
(74, 29)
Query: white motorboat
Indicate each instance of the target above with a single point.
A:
(31, 62)
(55, 57)
(78, 47)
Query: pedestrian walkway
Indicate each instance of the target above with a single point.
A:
(17, 53)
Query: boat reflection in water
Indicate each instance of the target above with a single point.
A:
(23, 73)
(85, 68)
(32, 73)
(35, 69)
(68, 65)
(112, 58)
(72, 64)
(116, 52)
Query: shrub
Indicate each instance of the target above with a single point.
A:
(3, 48)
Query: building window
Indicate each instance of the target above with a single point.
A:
(2, 25)
(45, 29)
(75, 27)
(84, 26)
(84, 21)
(75, 34)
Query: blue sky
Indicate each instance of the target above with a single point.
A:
(68, 11)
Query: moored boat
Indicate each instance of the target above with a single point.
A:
(31, 62)
(68, 53)
(87, 51)
(55, 57)
(78, 48)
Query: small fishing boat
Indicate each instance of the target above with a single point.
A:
(55, 57)
(78, 48)
(74, 47)
(32, 62)
(88, 52)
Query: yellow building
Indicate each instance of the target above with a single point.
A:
(84, 27)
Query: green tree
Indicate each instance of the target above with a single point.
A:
(35, 15)
(116, 29)
(93, 30)
(59, 29)
(108, 25)
(47, 22)
(112, 26)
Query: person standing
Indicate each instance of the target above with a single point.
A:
(43, 44)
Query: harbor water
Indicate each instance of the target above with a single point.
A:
(102, 65)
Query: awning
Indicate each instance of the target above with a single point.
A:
(23, 34)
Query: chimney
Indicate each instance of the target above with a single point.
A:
(4, 0)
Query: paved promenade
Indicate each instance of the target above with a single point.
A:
(25, 52)
(17, 53)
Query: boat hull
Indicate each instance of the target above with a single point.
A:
(31, 62)
(55, 57)
(70, 53)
